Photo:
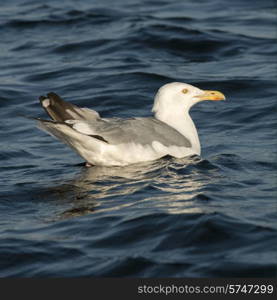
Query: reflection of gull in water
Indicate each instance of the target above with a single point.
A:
(169, 185)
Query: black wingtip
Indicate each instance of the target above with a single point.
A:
(49, 95)
(52, 94)
(41, 98)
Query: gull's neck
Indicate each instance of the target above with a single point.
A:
(182, 122)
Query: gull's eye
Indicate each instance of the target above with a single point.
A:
(184, 91)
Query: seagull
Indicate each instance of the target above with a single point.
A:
(123, 141)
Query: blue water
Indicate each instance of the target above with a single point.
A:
(208, 216)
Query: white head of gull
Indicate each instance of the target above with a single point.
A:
(119, 142)
(172, 104)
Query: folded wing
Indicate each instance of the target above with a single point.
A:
(143, 131)
(114, 131)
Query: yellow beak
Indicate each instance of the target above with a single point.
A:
(211, 95)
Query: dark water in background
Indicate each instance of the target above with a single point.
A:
(208, 216)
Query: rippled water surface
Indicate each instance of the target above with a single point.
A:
(213, 215)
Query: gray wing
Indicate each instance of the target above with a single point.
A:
(113, 130)
(137, 130)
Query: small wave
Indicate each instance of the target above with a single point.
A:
(63, 18)
(75, 47)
